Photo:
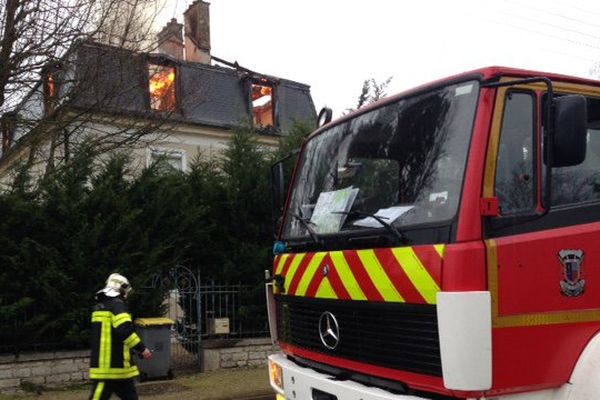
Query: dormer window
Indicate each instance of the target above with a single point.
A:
(7, 125)
(161, 86)
(262, 104)
(50, 93)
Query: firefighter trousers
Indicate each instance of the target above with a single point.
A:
(123, 388)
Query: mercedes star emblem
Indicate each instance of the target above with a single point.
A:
(329, 330)
(326, 270)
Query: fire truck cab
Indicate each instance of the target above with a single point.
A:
(444, 243)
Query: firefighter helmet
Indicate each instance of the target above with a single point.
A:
(116, 285)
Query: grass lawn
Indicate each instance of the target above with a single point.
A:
(224, 384)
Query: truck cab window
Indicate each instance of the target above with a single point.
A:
(402, 162)
(377, 177)
(580, 184)
(515, 183)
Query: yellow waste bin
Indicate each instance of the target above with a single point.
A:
(156, 335)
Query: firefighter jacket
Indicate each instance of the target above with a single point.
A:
(113, 338)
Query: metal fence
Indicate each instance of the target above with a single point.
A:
(200, 310)
(232, 311)
(203, 311)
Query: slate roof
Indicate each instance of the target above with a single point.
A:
(115, 80)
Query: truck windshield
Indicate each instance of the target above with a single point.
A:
(402, 163)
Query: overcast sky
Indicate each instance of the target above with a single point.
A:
(335, 45)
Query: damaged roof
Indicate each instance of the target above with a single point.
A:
(109, 79)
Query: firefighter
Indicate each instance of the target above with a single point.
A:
(111, 365)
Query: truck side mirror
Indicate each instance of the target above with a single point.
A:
(570, 130)
(278, 193)
(281, 172)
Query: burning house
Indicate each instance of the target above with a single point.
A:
(176, 102)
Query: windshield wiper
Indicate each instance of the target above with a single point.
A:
(381, 220)
(306, 223)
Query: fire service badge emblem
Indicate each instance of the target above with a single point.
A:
(571, 285)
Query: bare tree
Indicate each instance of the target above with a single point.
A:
(66, 69)
(129, 24)
(594, 71)
(372, 91)
(36, 32)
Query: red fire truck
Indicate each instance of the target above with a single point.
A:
(444, 243)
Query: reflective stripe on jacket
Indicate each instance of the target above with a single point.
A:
(113, 338)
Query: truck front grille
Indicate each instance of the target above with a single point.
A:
(393, 335)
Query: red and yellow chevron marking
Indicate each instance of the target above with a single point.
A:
(399, 274)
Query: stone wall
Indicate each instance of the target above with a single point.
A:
(222, 354)
(48, 369)
(70, 367)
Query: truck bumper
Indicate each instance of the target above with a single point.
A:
(300, 383)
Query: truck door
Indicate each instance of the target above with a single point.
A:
(543, 271)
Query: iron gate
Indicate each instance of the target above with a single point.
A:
(210, 310)
(181, 303)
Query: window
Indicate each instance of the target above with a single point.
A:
(52, 78)
(50, 93)
(515, 183)
(377, 177)
(169, 160)
(262, 104)
(581, 183)
(161, 81)
(403, 161)
(8, 124)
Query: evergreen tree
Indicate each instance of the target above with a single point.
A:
(62, 238)
(62, 235)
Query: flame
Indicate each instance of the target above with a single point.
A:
(161, 81)
(259, 91)
(162, 87)
(265, 91)
(51, 86)
(262, 105)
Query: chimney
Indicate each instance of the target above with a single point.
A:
(170, 39)
(197, 32)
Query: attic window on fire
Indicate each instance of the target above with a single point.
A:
(49, 93)
(161, 81)
(7, 126)
(262, 104)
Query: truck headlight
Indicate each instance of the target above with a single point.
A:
(276, 375)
